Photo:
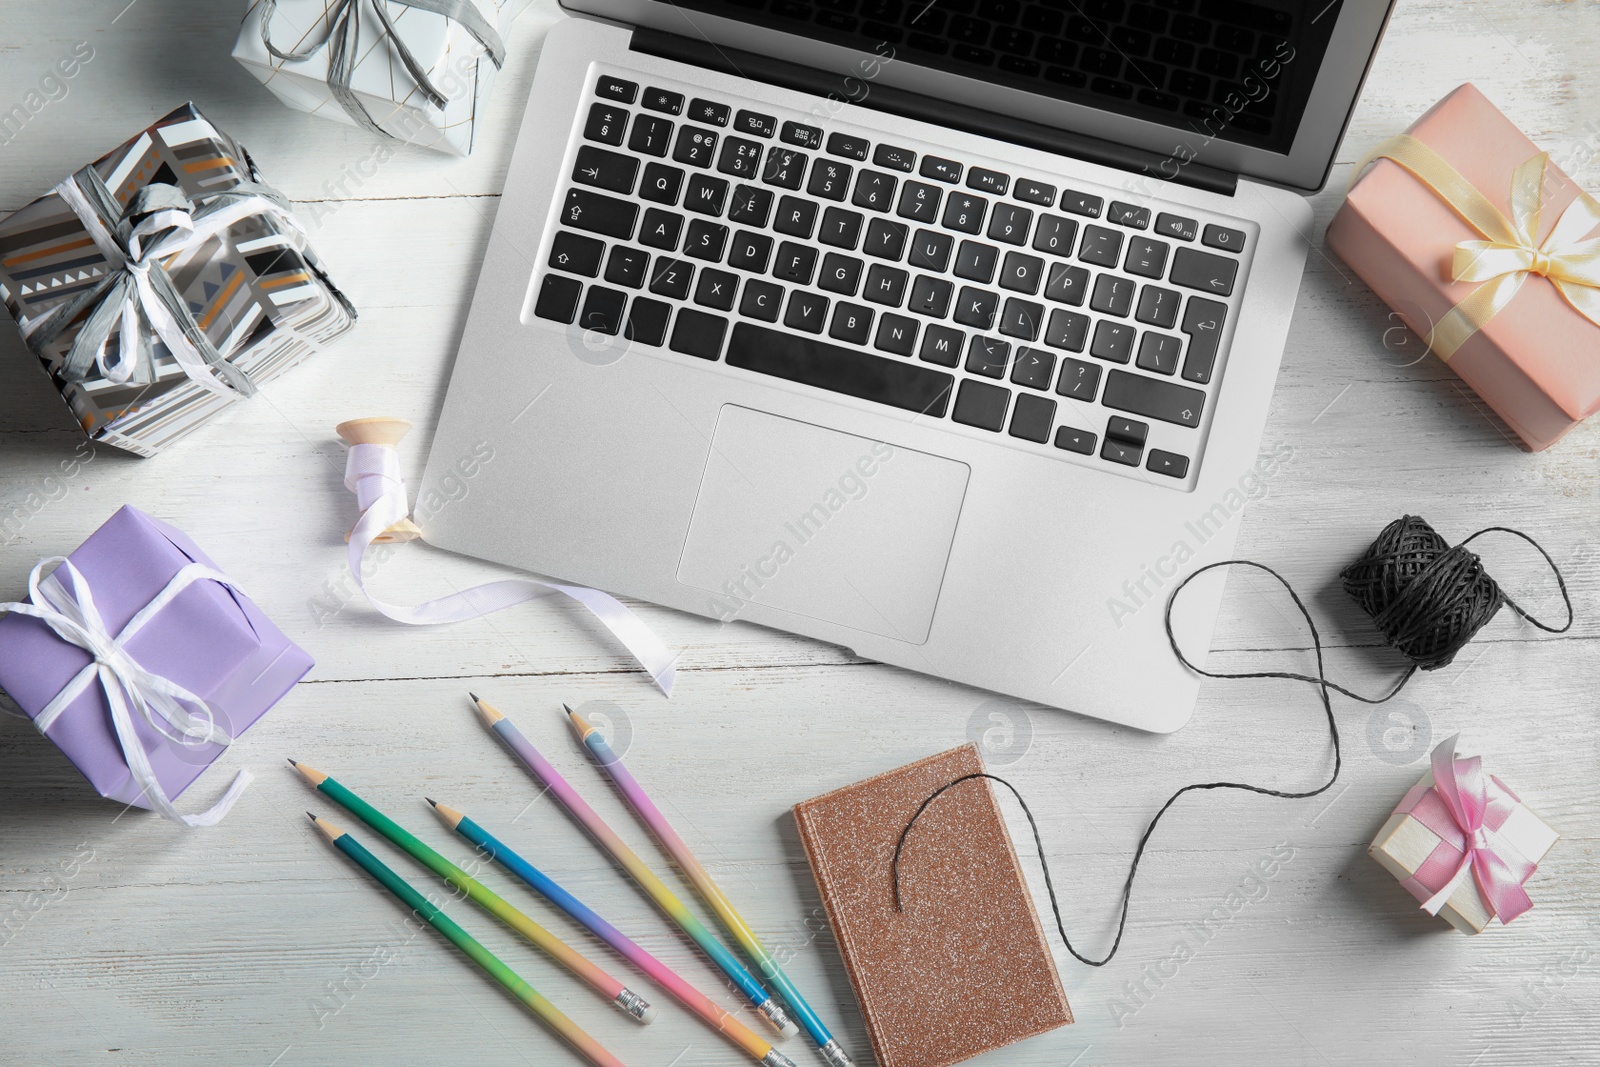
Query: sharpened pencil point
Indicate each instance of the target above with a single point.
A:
(431, 801)
(487, 713)
(311, 816)
(450, 816)
(579, 723)
(473, 695)
(310, 774)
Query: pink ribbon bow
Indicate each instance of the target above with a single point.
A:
(1466, 809)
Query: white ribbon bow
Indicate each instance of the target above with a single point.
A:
(70, 611)
(372, 472)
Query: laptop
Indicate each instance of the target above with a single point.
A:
(941, 330)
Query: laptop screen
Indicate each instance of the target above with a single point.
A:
(1259, 88)
(1236, 70)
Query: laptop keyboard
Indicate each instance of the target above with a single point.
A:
(1043, 315)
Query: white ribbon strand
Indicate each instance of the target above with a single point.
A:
(372, 472)
(69, 610)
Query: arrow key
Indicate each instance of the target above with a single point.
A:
(1121, 452)
(1169, 463)
(1130, 431)
(1074, 440)
(1194, 269)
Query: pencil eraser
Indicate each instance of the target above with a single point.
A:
(789, 1030)
(635, 1005)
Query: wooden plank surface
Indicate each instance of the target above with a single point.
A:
(125, 941)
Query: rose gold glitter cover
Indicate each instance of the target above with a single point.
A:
(965, 968)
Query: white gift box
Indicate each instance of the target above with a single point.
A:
(456, 63)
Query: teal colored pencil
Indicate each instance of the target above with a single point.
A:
(547, 1012)
(576, 962)
(708, 1010)
(710, 892)
(653, 887)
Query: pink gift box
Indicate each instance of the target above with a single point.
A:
(1537, 362)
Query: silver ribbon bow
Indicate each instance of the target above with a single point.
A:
(160, 222)
(343, 43)
(69, 610)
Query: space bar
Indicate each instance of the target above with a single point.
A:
(842, 370)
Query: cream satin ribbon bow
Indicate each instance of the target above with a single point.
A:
(1511, 251)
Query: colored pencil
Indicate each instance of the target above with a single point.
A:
(710, 892)
(547, 1012)
(481, 895)
(653, 887)
(758, 1047)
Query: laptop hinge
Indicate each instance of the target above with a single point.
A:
(895, 101)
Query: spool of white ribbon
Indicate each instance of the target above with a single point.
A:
(372, 472)
(70, 611)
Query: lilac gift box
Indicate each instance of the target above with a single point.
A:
(210, 639)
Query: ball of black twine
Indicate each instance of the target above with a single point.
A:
(1427, 597)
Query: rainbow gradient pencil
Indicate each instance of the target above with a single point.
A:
(481, 895)
(713, 1016)
(653, 887)
(710, 892)
(547, 1012)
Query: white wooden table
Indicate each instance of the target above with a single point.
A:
(129, 941)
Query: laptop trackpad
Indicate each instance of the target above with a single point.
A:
(822, 523)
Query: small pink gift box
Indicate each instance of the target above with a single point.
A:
(1536, 360)
(1463, 843)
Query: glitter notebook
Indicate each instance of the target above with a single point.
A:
(965, 968)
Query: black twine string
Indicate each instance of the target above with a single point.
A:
(1460, 575)
(1429, 599)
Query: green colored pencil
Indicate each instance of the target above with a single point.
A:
(481, 895)
(547, 1012)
